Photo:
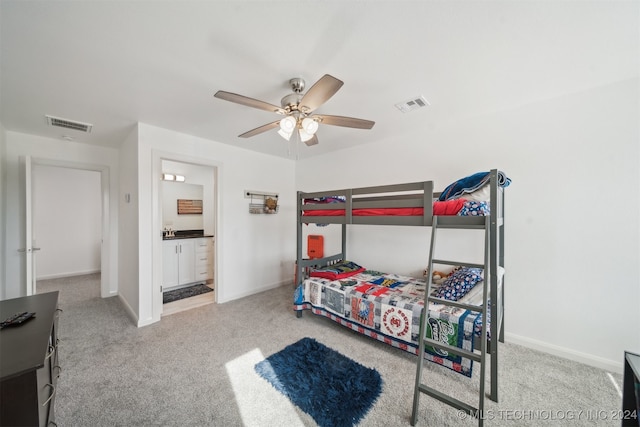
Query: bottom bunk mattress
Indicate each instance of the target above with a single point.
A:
(387, 307)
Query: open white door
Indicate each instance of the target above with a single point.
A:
(29, 249)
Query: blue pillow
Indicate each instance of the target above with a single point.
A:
(474, 208)
(459, 284)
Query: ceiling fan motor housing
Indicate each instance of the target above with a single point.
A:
(297, 84)
(290, 102)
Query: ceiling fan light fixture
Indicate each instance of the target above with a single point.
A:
(285, 135)
(310, 126)
(288, 124)
(304, 136)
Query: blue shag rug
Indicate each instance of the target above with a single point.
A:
(333, 389)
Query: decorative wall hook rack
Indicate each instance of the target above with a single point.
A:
(262, 202)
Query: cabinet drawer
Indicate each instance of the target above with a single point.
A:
(203, 245)
(202, 261)
(202, 275)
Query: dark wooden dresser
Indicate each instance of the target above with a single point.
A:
(29, 367)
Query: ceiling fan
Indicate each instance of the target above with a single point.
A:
(298, 110)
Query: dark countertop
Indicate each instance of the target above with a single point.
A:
(186, 234)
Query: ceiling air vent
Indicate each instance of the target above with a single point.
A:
(412, 104)
(68, 124)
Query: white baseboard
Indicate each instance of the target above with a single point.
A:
(68, 274)
(577, 356)
(132, 314)
(258, 290)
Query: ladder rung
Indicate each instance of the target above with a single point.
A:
(455, 350)
(458, 404)
(474, 308)
(466, 264)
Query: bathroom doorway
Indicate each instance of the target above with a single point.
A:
(180, 182)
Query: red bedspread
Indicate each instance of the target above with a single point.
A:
(449, 207)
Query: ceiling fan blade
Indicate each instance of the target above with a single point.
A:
(260, 129)
(348, 122)
(319, 93)
(249, 102)
(312, 141)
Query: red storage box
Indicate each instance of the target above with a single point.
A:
(315, 246)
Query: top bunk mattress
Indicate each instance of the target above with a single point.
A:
(407, 204)
(449, 207)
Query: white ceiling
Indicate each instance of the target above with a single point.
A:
(115, 63)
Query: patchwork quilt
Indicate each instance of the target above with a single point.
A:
(387, 307)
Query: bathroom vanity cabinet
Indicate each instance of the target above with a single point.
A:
(186, 261)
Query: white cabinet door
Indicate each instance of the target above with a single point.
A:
(169, 263)
(187, 264)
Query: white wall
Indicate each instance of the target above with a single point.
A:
(67, 220)
(3, 192)
(58, 153)
(572, 216)
(128, 205)
(253, 252)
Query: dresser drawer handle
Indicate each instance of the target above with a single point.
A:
(53, 391)
(52, 350)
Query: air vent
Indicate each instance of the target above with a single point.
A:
(68, 124)
(412, 104)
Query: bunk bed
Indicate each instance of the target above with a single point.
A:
(388, 307)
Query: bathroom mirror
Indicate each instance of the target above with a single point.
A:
(182, 205)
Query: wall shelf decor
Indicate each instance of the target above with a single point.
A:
(262, 203)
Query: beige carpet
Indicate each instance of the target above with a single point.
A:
(195, 368)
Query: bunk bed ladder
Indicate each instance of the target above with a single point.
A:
(479, 357)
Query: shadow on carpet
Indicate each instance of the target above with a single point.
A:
(178, 294)
(333, 389)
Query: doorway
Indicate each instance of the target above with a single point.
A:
(67, 222)
(195, 174)
(42, 205)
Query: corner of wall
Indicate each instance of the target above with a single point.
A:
(3, 222)
(128, 226)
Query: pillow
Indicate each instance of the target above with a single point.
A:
(337, 271)
(480, 195)
(458, 284)
(473, 208)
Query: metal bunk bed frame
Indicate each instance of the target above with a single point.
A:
(421, 194)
